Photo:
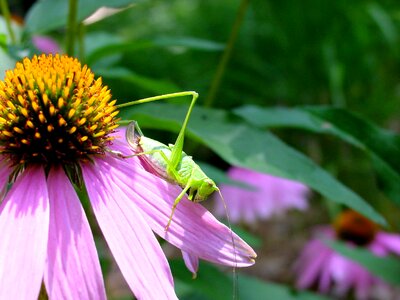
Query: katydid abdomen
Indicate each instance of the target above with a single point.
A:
(158, 158)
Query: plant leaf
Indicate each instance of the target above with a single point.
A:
(157, 86)
(212, 284)
(56, 12)
(382, 145)
(160, 42)
(242, 145)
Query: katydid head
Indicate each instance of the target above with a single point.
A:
(133, 135)
(206, 188)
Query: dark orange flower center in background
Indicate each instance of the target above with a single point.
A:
(54, 111)
(354, 227)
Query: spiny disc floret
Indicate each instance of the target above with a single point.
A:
(52, 110)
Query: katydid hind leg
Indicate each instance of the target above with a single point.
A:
(176, 154)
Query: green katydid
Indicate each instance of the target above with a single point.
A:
(170, 162)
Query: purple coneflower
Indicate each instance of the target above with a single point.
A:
(335, 274)
(57, 128)
(265, 196)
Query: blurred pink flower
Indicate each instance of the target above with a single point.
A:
(337, 275)
(49, 145)
(45, 44)
(266, 196)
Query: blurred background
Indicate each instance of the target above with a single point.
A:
(321, 77)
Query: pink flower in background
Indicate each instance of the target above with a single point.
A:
(57, 137)
(335, 274)
(266, 196)
(45, 44)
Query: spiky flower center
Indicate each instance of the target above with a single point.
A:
(53, 110)
(354, 227)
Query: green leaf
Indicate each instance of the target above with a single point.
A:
(212, 284)
(386, 268)
(252, 288)
(46, 15)
(189, 42)
(157, 86)
(158, 42)
(383, 146)
(384, 22)
(245, 146)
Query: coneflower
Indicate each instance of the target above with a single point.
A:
(266, 196)
(320, 266)
(58, 129)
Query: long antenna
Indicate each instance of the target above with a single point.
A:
(234, 273)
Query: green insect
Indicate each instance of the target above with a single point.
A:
(170, 162)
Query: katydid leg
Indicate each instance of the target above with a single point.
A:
(176, 202)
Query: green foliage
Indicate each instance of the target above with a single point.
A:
(241, 145)
(212, 284)
(383, 146)
(55, 12)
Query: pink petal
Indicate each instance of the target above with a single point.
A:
(134, 246)
(45, 44)
(311, 263)
(193, 228)
(73, 269)
(24, 225)
(363, 282)
(191, 262)
(390, 241)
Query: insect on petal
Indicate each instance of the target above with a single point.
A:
(193, 228)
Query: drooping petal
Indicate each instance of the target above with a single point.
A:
(362, 282)
(193, 228)
(340, 267)
(73, 269)
(309, 269)
(390, 241)
(191, 262)
(266, 196)
(132, 243)
(24, 225)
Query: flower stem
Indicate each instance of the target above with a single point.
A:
(71, 27)
(7, 16)
(81, 35)
(226, 55)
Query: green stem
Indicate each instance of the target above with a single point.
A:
(71, 27)
(7, 16)
(82, 30)
(227, 54)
